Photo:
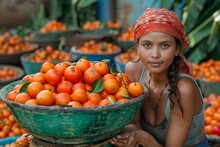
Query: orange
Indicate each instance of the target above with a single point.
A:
(46, 66)
(78, 86)
(208, 120)
(31, 102)
(39, 77)
(124, 78)
(12, 95)
(90, 75)
(208, 129)
(104, 102)
(216, 104)
(108, 76)
(82, 64)
(209, 111)
(49, 87)
(62, 98)
(122, 100)
(89, 104)
(22, 97)
(135, 89)
(121, 93)
(53, 77)
(65, 86)
(75, 104)
(216, 116)
(17, 87)
(73, 74)
(28, 78)
(34, 88)
(45, 98)
(61, 67)
(111, 86)
(94, 97)
(88, 87)
(79, 95)
(102, 68)
(104, 94)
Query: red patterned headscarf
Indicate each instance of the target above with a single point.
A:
(163, 20)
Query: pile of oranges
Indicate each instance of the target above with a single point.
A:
(91, 47)
(49, 54)
(7, 73)
(80, 84)
(8, 125)
(127, 36)
(212, 115)
(92, 25)
(115, 25)
(10, 44)
(53, 26)
(208, 71)
(23, 141)
(123, 58)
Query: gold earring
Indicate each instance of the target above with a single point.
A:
(133, 55)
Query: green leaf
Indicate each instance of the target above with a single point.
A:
(166, 4)
(63, 105)
(74, 2)
(105, 61)
(24, 87)
(98, 86)
(215, 26)
(85, 3)
(192, 12)
(56, 9)
(200, 32)
(126, 96)
(197, 56)
(111, 100)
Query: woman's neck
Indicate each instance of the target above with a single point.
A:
(156, 80)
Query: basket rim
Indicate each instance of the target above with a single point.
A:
(5, 89)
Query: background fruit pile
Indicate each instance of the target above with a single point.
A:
(8, 125)
(212, 115)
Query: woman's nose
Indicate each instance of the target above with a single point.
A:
(155, 53)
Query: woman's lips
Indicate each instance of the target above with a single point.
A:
(155, 64)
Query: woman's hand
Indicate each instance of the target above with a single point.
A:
(132, 139)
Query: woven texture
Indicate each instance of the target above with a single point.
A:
(67, 125)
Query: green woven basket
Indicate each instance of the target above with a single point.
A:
(68, 125)
(209, 87)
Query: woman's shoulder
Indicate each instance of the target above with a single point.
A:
(133, 70)
(186, 83)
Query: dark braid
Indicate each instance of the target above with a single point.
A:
(172, 75)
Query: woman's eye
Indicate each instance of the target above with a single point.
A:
(147, 45)
(165, 46)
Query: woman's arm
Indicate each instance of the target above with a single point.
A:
(179, 124)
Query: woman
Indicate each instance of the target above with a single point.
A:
(172, 114)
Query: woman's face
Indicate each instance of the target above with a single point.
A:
(157, 51)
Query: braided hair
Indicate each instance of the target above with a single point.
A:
(172, 75)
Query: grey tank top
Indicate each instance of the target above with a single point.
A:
(159, 132)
